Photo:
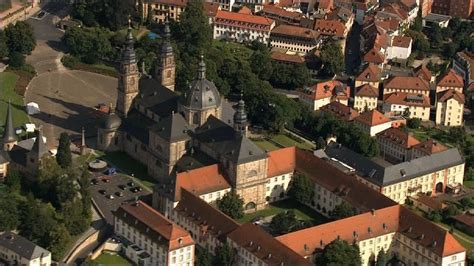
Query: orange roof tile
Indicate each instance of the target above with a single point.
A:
(451, 79)
(450, 94)
(373, 224)
(408, 99)
(280, 12)
(295, 59)
(181, 3)
(200, 181)
(152, 223)
(281, 161)
(371, 73)
(210, 9)
(367, 90)
(413, 83)
(423, 72)
(372, 118)
(245, 10)
(295, 31)
(398, 137)
(243, 20)
(341, 111)
(325, 4)
(264, 246)
(401, 41)
(374, 56)
(330, 27)
(430, 147)
(327, 89)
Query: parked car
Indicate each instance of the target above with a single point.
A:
(122, 187)
(105, 180)
(134, 190)
(131, 184)
(119, 194)
(94, 181)
(110, 197)
(102, 191)
(138, 188)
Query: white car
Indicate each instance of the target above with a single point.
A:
(110, 197)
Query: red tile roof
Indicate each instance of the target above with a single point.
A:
(264, 246)
(466, 219)
(367, 90)
(210, 9)
(280, 12)
(326, 89)
(451, 79)
(374, 56)
(282, 57)
(181, 3)
(423, 72)
(210, 220)
(201, 181)
(245, 10)
(410, 83)
(373, 224)
(399, 137)
(372, 118)
(371, 73)
(401, 41)
(408, 99)
(330, 27)
(430, 147)
(429, 201)
(295, 31)
(340, 111)
(450, 94)
(243, 20)
(153, 224)
(325, 4)
(281, 161)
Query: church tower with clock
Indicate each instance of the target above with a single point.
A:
(128, 77)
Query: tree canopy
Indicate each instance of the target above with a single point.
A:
(339, 252)
(332, 58)
(225, 255)
(286, 222)
(343, 210)
(231, 204)
(89, 44)
(20, 37)
(301, 189)
(64, 157)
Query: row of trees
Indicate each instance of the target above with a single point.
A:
(111, 14)
(17, 41)
(53, 207)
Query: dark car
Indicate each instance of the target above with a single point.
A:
(131, 184)
(94, 181)
(102, 191)
(134, 190)
(119, 194)
(41, 14)
(122, 187)
(106, 180)
(138, 188)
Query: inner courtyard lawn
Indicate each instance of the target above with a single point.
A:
(302, 211)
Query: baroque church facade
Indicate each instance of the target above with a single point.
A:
(172, 133)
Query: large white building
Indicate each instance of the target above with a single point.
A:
(17, 250)
(149, 239)
(242, 27)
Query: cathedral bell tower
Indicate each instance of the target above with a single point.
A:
(165, 70)
(128, 76)
(240, 118)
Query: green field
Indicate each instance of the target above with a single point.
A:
(265, 145)
(288, 142)
(7, 82)
(108, 258)
(303, 212)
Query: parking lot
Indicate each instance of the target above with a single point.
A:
(117, 183)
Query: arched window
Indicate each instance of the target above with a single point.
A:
(252, 173)
(195, 119)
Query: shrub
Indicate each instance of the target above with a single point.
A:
(69, 61)
(17, 60)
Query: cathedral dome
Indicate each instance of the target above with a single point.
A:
(111, 121)
(202, 94)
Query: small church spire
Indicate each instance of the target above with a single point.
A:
(129, 51)
(240, 116)
(9, 137)
(165, 70)
(166, 47)
(202, 68)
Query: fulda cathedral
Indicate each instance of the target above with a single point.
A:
(172, 133)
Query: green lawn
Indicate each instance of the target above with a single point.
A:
(7, 85)
(469, 183)
(130, 166)
(288, 142)
(303, 212)
(265, 145)
(108, 258)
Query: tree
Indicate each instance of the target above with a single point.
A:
(434, 216)
(414, 123)
(89, 44)
(231, 204)
(224, 255)
(301, 189)
(20, 37)
(203, 257)
(63, 157)
(450, 211)
(467, 202)
(286, 222)
(261, 64)
(13, 181)
(332, 58)
(9, 213)
(17, 60)
(342, 211)
(3, 45)
(382, 258)
(57, 240)
(339, 252)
